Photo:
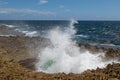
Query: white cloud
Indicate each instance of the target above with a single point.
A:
(24, 11)
(43, 1)
(67, 10)
(61, 6)
(3, 2)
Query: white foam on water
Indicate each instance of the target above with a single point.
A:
(27, 32)
(82, 36)
(30, 33)
(21, 30)
(10, 26)
(2, 35)
(63, 55)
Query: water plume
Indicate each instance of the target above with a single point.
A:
(63, 54)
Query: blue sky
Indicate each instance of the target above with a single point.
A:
(59, 9)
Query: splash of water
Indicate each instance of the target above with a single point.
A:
(63, 55)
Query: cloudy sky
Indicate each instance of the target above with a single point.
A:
(59, 9)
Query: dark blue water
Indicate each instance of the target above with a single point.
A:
(100, 32)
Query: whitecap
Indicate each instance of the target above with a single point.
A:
(82, 36)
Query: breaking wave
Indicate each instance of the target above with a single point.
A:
(63, 54)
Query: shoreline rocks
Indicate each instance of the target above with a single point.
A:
(15, 56)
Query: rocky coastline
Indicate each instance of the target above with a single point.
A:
(18, 59)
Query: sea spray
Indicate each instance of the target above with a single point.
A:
(63, 54)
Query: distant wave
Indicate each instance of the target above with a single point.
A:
(7, 35)
(10, 26)
(113, 46)
(82, 36)
(19, 30)
(110, 46)
(30, 33)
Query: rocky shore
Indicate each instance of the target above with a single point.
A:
(10, 70)
(18, 59)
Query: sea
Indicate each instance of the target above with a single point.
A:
(106, 33)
